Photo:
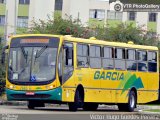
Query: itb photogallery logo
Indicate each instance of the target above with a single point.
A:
(117, 7)
(124, 6)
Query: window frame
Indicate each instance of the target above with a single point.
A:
(78, 43)
(24, 2)
(107, 58)
(2, 20)
(68, 42)
(97, 14)
(22, 21)
(132, 16)
(64, 78)
(58, 5)
(95, 45)
(152, 17)
(131, 60)
(122, 59)
(157, 68)
(2, 1)
(114, 15)
(142, 61)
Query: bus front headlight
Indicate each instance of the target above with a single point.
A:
(11, 86)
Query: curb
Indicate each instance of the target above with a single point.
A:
(18, 103)
(144, 107)
(156, 115)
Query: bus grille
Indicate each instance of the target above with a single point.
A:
(23, 96)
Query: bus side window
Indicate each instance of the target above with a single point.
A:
(82, 55)
(120, 59)
(152, 61)
(142, 60)
(95, 56)
(107, 59)
(131, 63)
(68, 61)
(68, 54)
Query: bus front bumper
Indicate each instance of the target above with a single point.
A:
(55, 94)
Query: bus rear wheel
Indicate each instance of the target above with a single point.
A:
(78, 102)
(90, 106)
(131, 105)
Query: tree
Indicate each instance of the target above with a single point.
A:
(123, 32)
(2, 72)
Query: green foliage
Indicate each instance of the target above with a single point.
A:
(121, 32)
(60, 26)
(2, 75)
(22, 30)
(125, 32)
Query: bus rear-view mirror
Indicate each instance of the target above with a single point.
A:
(3, 54)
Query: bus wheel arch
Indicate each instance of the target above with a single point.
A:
(78, 99)
(80, 88)
(132, 101)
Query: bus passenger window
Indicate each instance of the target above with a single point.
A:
(108, 58)
(95, 56)
(120, 59)
(142, 60)
(152, 61)
(131, 63)
(68, 54)
(82, 55)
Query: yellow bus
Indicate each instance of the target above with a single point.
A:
(82, 73)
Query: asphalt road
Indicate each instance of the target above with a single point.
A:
(62, 113)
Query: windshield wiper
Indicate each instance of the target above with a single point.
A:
(38, 53)
(24, 53)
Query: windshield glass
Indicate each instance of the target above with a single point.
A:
(32, 64)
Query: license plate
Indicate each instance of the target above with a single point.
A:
(30, 93)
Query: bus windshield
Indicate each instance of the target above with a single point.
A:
(32, 64)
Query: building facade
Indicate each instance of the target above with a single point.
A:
(90, 12)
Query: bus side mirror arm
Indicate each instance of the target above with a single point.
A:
(3, 54)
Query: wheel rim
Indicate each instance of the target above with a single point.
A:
(132, 101)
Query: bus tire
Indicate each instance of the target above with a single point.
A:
(90, 106)
(30, 105)
(131, 105)
(33, 104)
(132, 101)
(78, 101)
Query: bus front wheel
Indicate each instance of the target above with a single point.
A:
(78, 102)
(31, 105)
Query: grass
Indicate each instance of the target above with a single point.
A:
(153, 104)
(153, 110)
